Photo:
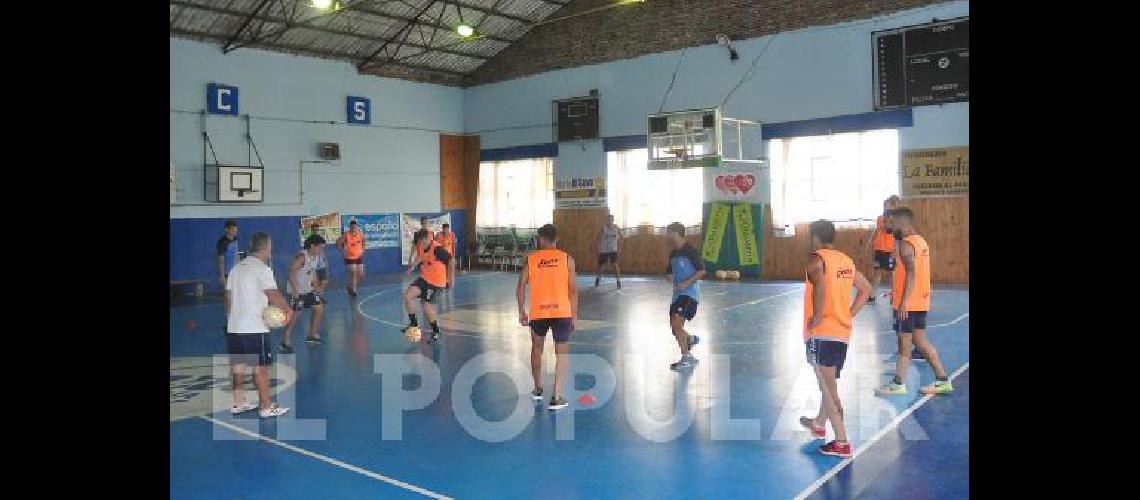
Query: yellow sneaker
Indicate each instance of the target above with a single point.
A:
(938, 387)
(891, 389)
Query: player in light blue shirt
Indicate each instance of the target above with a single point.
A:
(687, 268)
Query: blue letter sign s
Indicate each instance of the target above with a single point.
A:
(221, 99)
(359, 110)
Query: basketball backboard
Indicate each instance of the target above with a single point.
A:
(697, 138)
(234, 184)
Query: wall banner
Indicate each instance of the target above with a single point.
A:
(380, 230)
(746, 242)
(714, 234)
(580, 192)
(935, 172)
(327, 225)
(409, 224)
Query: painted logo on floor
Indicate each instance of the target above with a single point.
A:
(193, 381)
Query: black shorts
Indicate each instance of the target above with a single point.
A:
(914, 320)
(306, 301)
(826, 353)
(428, 291)
(607, 257)
(241, 347)
(562, 327)
(684, 306)
(884, 260)
(358, 260)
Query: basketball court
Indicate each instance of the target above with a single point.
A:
(764, 379)
(699, 195)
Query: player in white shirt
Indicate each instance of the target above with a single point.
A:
(308, 278)
(250, 288)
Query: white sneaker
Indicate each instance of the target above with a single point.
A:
(242, 408)
(272, 411)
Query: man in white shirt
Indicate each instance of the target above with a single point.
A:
(306, 290)
(250, 288)
(609, 244)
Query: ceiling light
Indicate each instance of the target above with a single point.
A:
(464, 30)
(322, 4)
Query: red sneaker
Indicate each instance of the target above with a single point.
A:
(836, 450)
(817, 431)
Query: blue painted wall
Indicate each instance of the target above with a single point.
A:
(193, 252)
(389, 166)
(816, 72)
(393, 165)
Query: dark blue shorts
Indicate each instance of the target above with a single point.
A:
(306, 301)
(427, 290)
(562, 327)
(242, 346)
(884, 260)
(826, 353)
(684, 306)
(914, 320)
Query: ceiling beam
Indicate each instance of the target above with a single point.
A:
(313, 27)
(476, 8)
(359, 7)
(311, 51)
(245, 22)
(396, 35)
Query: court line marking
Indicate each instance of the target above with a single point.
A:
(327, 459)
(811, 488)
(360, 309)
(939, 325)
(757, 301)
(892, 332)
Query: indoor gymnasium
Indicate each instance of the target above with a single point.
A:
(569, 249)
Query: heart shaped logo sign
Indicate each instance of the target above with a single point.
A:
(745, 182)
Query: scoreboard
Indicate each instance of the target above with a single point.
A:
(922, 65)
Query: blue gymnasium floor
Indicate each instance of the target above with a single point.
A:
(760, 374)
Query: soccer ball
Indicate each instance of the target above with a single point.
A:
(412, 334)
(721, 274)
(734, 275)
(273, 317)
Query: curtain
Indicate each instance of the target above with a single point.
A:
(840, 177)
(637, 195)
(516, 193)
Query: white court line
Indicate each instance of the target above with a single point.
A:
(326, 459)
(757, 301)
(939, 325)
(879, 435)
(400, 286)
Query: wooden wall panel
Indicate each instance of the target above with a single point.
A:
(640, 254)
(459, 174)
(944, 222)
(471, 147)
(577, 232)
(452, 176)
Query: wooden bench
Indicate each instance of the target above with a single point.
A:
(199, 286)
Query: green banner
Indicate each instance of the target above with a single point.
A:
(745, 234)
(718, 219)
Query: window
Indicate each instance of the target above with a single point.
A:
(516, 193)
(839, 177)
(640, 196)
